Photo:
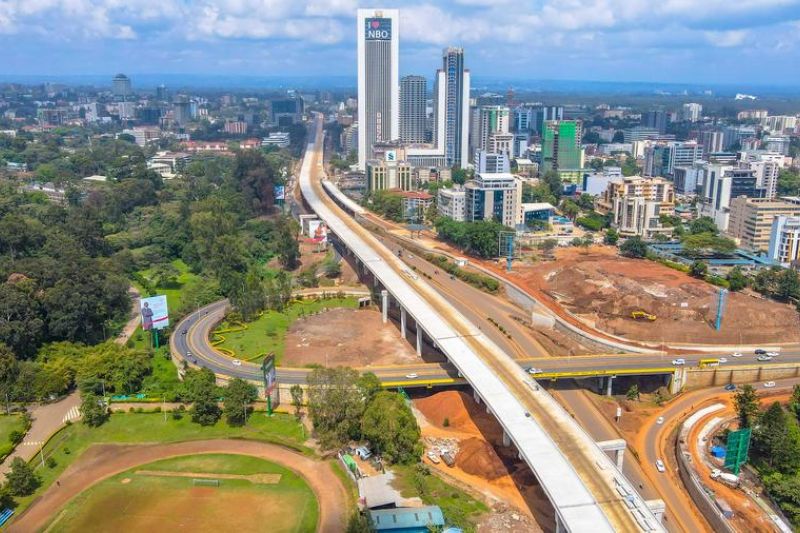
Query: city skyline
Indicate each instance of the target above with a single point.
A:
(604, 40)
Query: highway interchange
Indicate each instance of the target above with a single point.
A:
(191, 341)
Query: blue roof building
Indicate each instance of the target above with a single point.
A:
(407, 519)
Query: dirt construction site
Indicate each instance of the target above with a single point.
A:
(603, 289)
(454, 420)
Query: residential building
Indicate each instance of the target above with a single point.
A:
(491, 162)
(378, 79)
(712, 141)
(121, 86)
(501, 143)
(784, 241)
(640, 133)
(545, 113)
(451, 203)
(661, 158)
(525, 118)
(415, 203)
(691, 112)
(413, 116)
(636, 205)
(752, 114)
(383, 175)
(494, 197)
(287, 111)
(778, 124)
(452, 109)
(596, 183)
(181, 111)
(171, 162)
(722, 183)
(561, 145)
(734, 135)
(750, 221)
(236, 127)
(687, 178)
(777, 143)
(143, 136)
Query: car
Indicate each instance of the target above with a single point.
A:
(730, 387)
(411, 376)
(760, 351)
(183, 332)
(722, 360)
(533, 371)
(773, 354)
(736, 354)
(679, 362)
(188, 354)
(769, 384)
(660, 465)
(763, 358)
(660, 420)
(236, 362)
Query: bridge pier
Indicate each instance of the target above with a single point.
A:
(559, 526)
(609, 384)
(506, 439)
(385, 306)
(676, 383)
(419, 340)
(618, 446)
(477, 397)
(403, 321)
(658, 507)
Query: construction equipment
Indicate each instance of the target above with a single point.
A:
(643, 315)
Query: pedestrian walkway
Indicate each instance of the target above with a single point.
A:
(72, 415)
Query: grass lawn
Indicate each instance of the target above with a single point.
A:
(9, 423)
(268, 332)
(174, 293)
(124, 428)
(459, 508)
(129, 501)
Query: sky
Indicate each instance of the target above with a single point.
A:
(683, 41)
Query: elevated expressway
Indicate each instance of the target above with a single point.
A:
(584, 486)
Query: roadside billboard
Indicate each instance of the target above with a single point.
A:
(280, 192)
(318, 231)
(154, 312)
(269, 373)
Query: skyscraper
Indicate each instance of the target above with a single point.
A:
(121, 86)
(451, 108)
(378, 79)
(656, 119)
(493, 119)
(413, 92)
(561, 145)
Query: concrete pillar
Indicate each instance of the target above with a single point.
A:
(419, 340)
(676, 384)
(559, 526)
(506, 439)
(620, 458)
(403, 321)
(476, 397)
(385, 306)
(657, 507)
(609, 384)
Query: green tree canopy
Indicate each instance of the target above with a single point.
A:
(633, 247)
(391, 428)
(746, 403)
(239, 394)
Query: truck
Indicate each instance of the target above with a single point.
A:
(732, 480)
(448, 458)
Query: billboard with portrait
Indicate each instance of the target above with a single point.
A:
(154, 312)
(280, 192)
(318, 231)
(269, 373)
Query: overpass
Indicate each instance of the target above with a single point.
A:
(585, 487)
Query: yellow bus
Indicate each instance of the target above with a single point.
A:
(709, 362)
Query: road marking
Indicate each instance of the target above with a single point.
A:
(72, 414)
(33, 443)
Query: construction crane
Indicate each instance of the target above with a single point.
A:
(643, 315)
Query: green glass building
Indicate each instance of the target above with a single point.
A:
(561, 145)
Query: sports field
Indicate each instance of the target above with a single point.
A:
(168, 497)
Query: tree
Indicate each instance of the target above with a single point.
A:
(548, 245)
(199, 387)
(706, 243)
(458, 175)
(332, 268)
(776, 440)
(619, 137)
(633, 247)
(698, 269)
(391, 428)
(249, 297)
(611, 237)
(736, 279)
(703, 225)
(570, 208)
(633, 392)
(239, 394)
(22, 480)
(94, 411)
(359, 523)
(297, 400)
(746, 402)
(788, 285)
(335, 404)
(586, 202)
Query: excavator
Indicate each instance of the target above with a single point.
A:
(643, 315)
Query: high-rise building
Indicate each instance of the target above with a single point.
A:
(656, 119)
(181, 110)
(494, 197)
(712, 141)
(383, 174)
(721, 184)
(561, 145)
(413, 93)
(378, 36)
(121, 86)
(162, 95)
(493, 119)
(451, 108)
(750, 220)
(286, 111)
(451, 203)
(691, 112)
(784, 241)
(636, 205)
(491, 162)
(660, 159)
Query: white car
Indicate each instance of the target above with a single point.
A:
(736, 354)
(411, 376)
(773, 354)
(679, 362)
(769, 384)
(660, 420)
(722, 360)
(660, 466)
(533, 371)
(236, 362)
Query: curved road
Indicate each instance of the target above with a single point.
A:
(103, 461)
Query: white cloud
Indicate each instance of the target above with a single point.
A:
(726, 39)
